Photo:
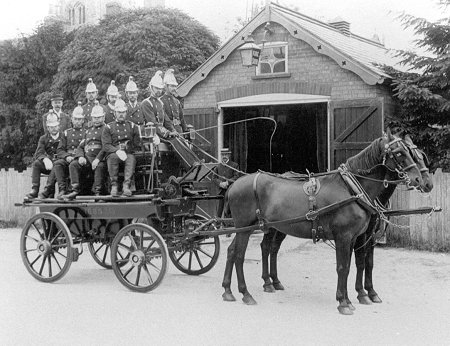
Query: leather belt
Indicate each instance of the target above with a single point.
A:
(92, 146)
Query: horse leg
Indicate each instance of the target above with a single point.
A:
(343, 257)
(350, 305)
(240, 248)
(226, 283)
(265, 251)
(368, 284)
(275, 247)
(360, 256)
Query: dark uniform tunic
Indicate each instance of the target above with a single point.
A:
(153, 111)
(109, 114)
(135, 114)
(90, 148)
(64, 121)
(224, 173)
(46, 148)
(174, 111)
(70, 139)
(120, 136)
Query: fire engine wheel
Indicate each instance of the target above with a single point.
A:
(139, 257)
(196, 255)
(46, 247)
(100, 250)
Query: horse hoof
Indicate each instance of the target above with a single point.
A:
(351, 307)
(345, 310)
(278, 286)
(228, 297)
(248, 300)
(375, 299)
(364, 300)
(269, 288)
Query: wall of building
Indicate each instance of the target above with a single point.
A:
(305, 65)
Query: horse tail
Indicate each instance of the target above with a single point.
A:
(226, 206)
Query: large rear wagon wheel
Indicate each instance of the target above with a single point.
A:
(196, 255)
(46, 247)
(139, 257)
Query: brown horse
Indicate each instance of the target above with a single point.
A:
(280, 199)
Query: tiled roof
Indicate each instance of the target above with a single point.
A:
(352, 52)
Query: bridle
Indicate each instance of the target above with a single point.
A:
(393, 154)
(419, 155)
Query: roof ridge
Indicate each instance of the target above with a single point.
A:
(328, 26)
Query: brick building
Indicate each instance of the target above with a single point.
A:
(317, 81)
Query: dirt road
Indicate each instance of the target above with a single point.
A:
(90, 307)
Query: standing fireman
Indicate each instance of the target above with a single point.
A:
(91, 96)
(172, 106)
(111, 96)
(153, 108)
(70, 139)
(226, 174)
(90, 155)
(63, 118)
(134, 112)
(120, 139)
(44, 157)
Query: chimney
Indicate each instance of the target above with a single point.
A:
(341, 24)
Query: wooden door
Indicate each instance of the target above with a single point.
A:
(354, 124)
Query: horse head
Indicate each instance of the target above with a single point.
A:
(422, 162)
(397, 158)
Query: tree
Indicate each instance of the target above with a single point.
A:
(133, 42)
(27, 67)
(424, 97)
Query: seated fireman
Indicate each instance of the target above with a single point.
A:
(44, 157)
(89, 155)
(120, 139)
(70, 139)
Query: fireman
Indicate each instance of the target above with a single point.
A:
(134, 113)
(91, 96)
(120, 139)
(44, 157)
(111, 96)
(89, 155)
(70, 139)
(64, 119)
(172, 106)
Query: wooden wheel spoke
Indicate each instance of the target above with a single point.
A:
(128, 249)
(59, 253)
(121, 261)
(104, 255)
(133, 243)
(148, 247)
(198, 259)
(141, 239)
(56, 236)
(37, 230)
(35, 260)
(179, 258)
(30, 237)
(128, 272)
(42, 265)
(190, 260)
(95, 253)
(149, 277)
(204, 252)
(57, 262)
(26, 251)
(49, 266)
(138, 276)
(156, 268)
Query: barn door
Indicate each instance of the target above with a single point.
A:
(354, 125)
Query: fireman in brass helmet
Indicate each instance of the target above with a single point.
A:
(172, 105)
(91, 96)
(111, 96)
(134, 113)
(120, 139)
(89, 155)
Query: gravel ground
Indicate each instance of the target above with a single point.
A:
(90, 307)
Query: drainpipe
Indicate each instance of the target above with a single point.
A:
(219, 133)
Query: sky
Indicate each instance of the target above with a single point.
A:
(366, 17)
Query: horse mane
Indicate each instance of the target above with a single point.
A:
(367, 159)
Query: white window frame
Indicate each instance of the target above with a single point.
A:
(286, 58)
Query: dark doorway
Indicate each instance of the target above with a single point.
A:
(299, 142)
